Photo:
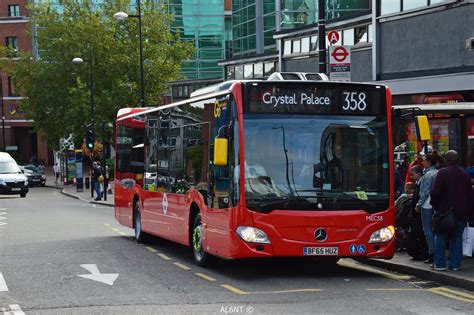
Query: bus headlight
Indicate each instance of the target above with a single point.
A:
(383, 235)
(252, 235)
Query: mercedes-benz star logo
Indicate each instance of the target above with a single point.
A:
(320, 235)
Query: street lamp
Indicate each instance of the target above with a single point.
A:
(123, 16)
(4, 147)
(78, 60)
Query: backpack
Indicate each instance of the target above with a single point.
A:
(403, 213)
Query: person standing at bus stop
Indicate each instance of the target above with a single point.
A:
(451, 190)
(423, 204)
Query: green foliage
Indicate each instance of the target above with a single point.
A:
(57, 90)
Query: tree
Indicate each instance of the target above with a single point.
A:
(57, 90)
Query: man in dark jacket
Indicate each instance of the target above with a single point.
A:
(451, 190)
(96, 173)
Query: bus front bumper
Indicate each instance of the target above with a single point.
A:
(280, 247)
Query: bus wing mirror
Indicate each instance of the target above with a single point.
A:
(422, 128)
(224, 131)
(220, 151)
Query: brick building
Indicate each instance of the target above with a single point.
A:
(17, 134)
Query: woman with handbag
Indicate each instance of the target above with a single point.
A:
(451, 197)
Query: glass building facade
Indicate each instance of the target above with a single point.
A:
(200, 22)
(279, 15)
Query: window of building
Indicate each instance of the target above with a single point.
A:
(371, 33)
(14, 10)
(361, 34)
(394, 6)
(248, 71)
(180, 90)
(305, 45)
(296, 46)
(287, 47)
(11, 87)
(348, 37)
(269, 68)
(390, 6)
(239, 72)
(230, 72)
(314, 43)
(12, 41)
(258, 70)
(412, 4)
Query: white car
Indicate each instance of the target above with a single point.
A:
(12, 179)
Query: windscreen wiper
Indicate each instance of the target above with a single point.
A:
(366, 202)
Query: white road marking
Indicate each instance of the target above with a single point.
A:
(3, 284)
(15, 309)
(3, 217)
(107, 278)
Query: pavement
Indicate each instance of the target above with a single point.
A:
(401, 262)
(71, 191)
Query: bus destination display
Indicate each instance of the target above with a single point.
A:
(333, 99)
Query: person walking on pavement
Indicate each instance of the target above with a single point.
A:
(56, 171)
(424, 206)
(451, 190)
(96, 173)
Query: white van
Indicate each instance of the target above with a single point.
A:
(12, 179)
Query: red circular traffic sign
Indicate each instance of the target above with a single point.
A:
(340, 54)
(333, 37)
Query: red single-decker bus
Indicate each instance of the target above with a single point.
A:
(262, 169)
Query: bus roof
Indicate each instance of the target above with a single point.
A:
(224, 88)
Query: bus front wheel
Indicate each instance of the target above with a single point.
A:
(201, 258)
(140, 236)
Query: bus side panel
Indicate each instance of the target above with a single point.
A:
(176, 228)
(123, 199)
(152, 212)
(218, 230)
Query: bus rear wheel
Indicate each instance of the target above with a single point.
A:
(201, 258)
(140, 236)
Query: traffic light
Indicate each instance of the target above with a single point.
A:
(90, 139)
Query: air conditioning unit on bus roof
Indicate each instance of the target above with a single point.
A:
(213, 88)
(297, 76)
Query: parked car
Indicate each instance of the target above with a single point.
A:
(12, 179)
(34, 174)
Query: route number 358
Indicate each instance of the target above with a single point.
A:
(354, 101)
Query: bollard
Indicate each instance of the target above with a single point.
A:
(87, 182)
